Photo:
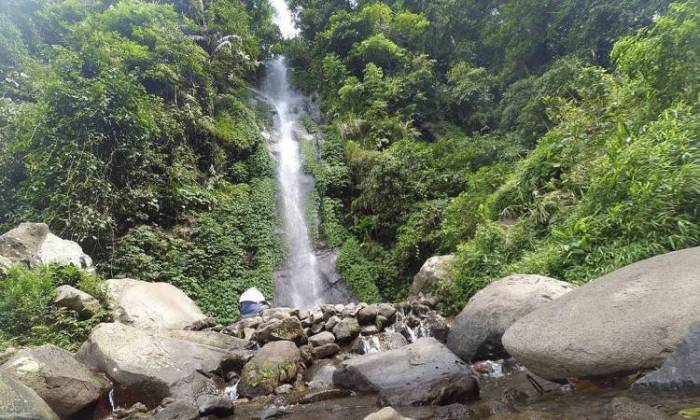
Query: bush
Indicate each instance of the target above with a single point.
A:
(28, 316)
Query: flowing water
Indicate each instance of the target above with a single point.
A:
(305, 281)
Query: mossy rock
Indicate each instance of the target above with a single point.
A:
(275, 364)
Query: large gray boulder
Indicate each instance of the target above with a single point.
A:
(33, 244)
(276, 363)
(477, 331)
(154, 306)
(680, 373)
(434, 270)
(425, 372)
(66, 385)
(623, 322)
(18, 401)
(150, 365)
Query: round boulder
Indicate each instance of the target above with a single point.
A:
(60, 380)
(434, 270)
(154, 306)
(625, 321)
(477, 331)
(274, 364)
(17, 401)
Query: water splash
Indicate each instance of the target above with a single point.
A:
(231, 391)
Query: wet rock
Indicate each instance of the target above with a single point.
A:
(436, 269)
(65, 384)
(306, 356)
(82, 303)
(274, 364)
(386, 413)
(424, 372)
(155, 306)
(328, 311)
(680, 373)
(33, 244)
(477, 330)
(318, 327)
(320, 374)
(369, 330)
(323, 395)
(368, 314)
(526, 415)
(419, 309)
(321, 339)
(332, 322)
(381, 322)
(214, 405)
(381, 342)
(145, 363)
(288, 329)
(176, 411)
(324, 351)
(622, 408)
(454, 412)
(436, 326)
(346, 330)
(17, 401)
(622, 322)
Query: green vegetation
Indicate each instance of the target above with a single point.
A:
(28, 316)
(558, 138)
(129, 127)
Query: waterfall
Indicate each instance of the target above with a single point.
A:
(302, 286)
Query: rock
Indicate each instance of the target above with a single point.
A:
(324, 351)
(328, 311)
(279, 313)
(177, 411)
(17, 401)
(82, 303)
(386, 413)
(436, 326)
(274, 364)
(214, 405)
(317, 327)
(209, 338)
(454, 412)
(284, 389)
(369, 330)
(155, 306)
(332, 322)
(145, 363)
(288, 329)
(386, 310)
(477, 331)
(5, 264)
(346, 330)
(321, 339)
(320, 374)
(622, 408)
(33, 244)
(381, 322)
(680, 373)
(323, 395)
(65, 384)
(435, 269)
(368, 314)
(620, 323)
(424, 372)
(377, 343)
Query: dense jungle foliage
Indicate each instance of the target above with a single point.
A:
(129, 126)
(551, 137)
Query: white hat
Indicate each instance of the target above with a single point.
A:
(252, 295)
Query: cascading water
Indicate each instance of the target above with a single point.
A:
(302, 284)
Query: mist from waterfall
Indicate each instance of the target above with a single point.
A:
(302, 283)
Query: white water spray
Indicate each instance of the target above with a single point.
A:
(303, 284)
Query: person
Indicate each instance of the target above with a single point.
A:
(252, 303)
